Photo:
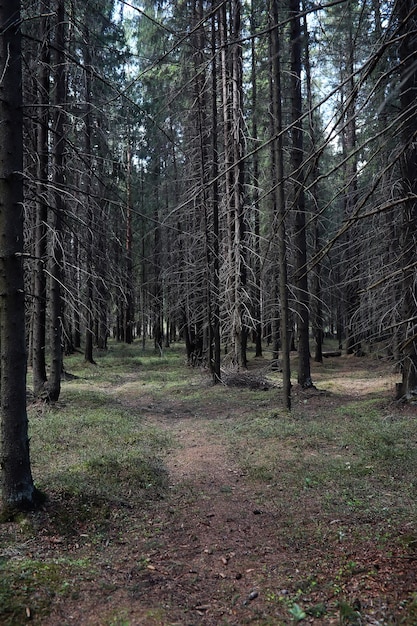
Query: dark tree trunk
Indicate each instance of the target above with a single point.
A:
(18, 491)
(76, 333)
(256, 205)
(316, 289)
(129, 312)
(215, 351)
(40, 282)
(56, 270)
(88, 124)
(157, 330)
(279, 201)
(349, 141)
(407, 16)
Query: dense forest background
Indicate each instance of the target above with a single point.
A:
(223, 172)
(240, 177)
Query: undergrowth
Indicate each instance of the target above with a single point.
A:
(95, 459)
(358, 458)
(336, 472)
(29, 586)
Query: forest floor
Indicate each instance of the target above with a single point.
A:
(175, 502)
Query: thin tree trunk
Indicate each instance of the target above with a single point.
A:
(56, 271)
(317, 305)
(300, 239)
(129, 313)
(76, 338)
(256, 207)
(88, 122)
(231, 79)
(353, 345)
(407, 16)
(157, 328)
(279, 200)
(40, 282)
(239, 228)
(215, 361)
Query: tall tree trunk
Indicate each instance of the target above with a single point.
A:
(279, 201)
(157, 310)
(204, 338)
(129, 312)
(240, 228)
(144, 308)
(349, 142)
(88, 129)
(56, 270)
(102, 290)
(317, 304)
(76, 338)
(225, 78)
(18, 491)
(256, 205)
(215, 360)
(40, 282)
(231, 78)
(300, 239)
(407, 16)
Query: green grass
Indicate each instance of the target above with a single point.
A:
(355, 460)
(339, 473)
(96, 459)
(92, 430)
(28, 587)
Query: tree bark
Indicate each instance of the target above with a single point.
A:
(215, 351)
(256, 204)
(88, 129)
(18, 491)
(129, 308)
(407, 17)
(40, 282)
(279, 202)
(56, 269)
(300, 239)
(349, 144)
(231, 80)
(316, 288)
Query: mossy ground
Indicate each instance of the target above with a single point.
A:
(173, 501)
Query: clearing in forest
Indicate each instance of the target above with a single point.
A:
(176, 502)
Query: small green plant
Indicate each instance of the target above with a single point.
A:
(349, 614)
(298, 614)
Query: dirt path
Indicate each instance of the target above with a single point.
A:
(220, 549)
(206, 554)
(215, 555)
(196, 457)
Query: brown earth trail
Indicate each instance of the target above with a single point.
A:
(214, 551)
(224, 548)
